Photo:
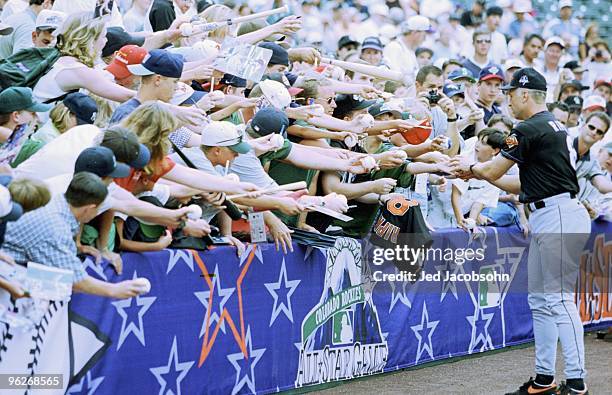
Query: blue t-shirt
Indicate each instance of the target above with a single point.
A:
(124, 110)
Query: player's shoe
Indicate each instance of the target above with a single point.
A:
(530, 387)
(565, 389)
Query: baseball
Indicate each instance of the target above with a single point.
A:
(277, 141)
(350, 141)
(232, 177)
(186, 29)
(401, 154)
(368, 162)
(195, 212)
(470, 223)
(366, 120)
(144, 285)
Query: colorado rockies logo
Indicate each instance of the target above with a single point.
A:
(524, 80)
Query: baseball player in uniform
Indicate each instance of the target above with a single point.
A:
(559, 223)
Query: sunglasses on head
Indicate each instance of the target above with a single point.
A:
(594, 129)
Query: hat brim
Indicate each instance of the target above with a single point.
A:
(455, 93)
(241, 148)
(5, 29)
(40, 107)
(81, 121)
(195, 97)
(139, 69)
(294, 91)
(15, 213)
(364, 104)
(464, 77)
(594, 107)
(491, 77)
(121, 171)
(144, 156)
(119, 70)
(372, 46)
(508, 87)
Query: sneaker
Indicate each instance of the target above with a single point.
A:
(565, 389)
(530, 387)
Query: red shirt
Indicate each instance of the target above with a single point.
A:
(139, 181)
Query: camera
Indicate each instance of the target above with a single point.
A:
(598, 54)
(433, 97)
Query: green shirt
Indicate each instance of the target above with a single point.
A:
(279, 154)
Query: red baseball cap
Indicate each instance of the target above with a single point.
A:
(599, 83)
(127, 55)
(418, 134)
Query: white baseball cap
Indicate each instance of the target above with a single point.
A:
(555, 40)
(276, 93)
(416, 23)
(594, 101)
(513, 63)
(522, 6)
(565, 3)
(50, 20)
(224, 134)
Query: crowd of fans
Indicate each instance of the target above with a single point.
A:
(129, 124)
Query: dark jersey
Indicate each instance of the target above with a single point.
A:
(545, 156)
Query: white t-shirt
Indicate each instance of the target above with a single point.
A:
(60, 154)
(401, 58)
(76, 6)
(476, 191)
(13, 7)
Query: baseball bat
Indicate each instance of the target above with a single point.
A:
(258, 15)
(287, 187)
(374, 71)
(203, 26)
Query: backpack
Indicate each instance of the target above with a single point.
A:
(26, 67)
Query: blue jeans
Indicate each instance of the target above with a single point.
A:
(505, 214)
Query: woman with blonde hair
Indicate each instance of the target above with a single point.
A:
(80, 44)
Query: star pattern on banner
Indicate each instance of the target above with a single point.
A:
(207, 301)
(281, 287)
(245, 365)
(132, 310)
(250, 248)
(398, 295)
(480, 322)
(448, 267)
(179, 255)
(170, 375)
(423, 333)
(87, 385)
(98, 269)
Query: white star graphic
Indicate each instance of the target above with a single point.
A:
(399, 295)
(425, 325)
(237, 359)
(247, 253)
(176, 255)
(448, 285)
(204, 298)
(483, 336)
(144, 304)
(87, 385)
(285, 284)
(173, 366)
(98, 269)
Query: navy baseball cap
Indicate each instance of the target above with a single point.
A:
(270, 120)
(348, 103)
(490, 72)
(384, 108)
(345, 41)
(527, 78)
(159, 61)
(101, 161)
(116, 38)
(279, 54)
(372, 43)
(82, 106)
(461, 73)
(232, 80)
(574, 102)
(451, 89)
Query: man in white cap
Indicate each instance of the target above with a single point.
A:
(23, 24)
(523, 24)
(47, 24)
(550, 67)
(566, 27)
(511, 66)
(399, 54)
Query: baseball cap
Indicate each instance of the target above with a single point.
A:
(575, 66)
(232, 80)
(279, 54)
(527, 78)
(461, 73)
(276, 93)
(5, 29)
(270, 120)
(348, 103)
(522, 6)
(384, 108)
(20, 99)
(599, 83)
(421, 50)
(100, 161)
(416, 23)
(224, 134)
(575, 84)
(9, 210)
(280, 77)
(161, 62)
(372, 43)
(82, 106)
(574, 102)
(513, 64)
(127, 55)
(50, 20)
(555, 40)
(490, 72)
(565, 3)
(346, 41)
(116, 38)
(495, 10)
(594, 101)
(206, 49)
(451, 90)
(124, 143)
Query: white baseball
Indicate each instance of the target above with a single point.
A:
(401, 154)
(366, 120)
(470, 223)
(350, 141)
(195, 212)
(144, 284)
(368, 162)
(277, 141)
(186, 29)
(232, 177)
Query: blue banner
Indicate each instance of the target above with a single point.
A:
(265, 322)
